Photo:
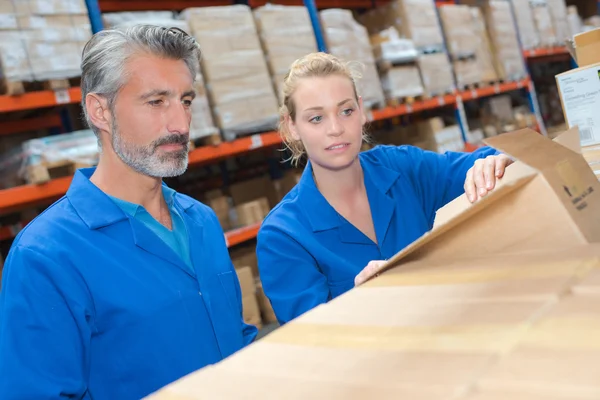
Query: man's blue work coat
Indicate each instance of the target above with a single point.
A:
(308, 253)
(95, 306)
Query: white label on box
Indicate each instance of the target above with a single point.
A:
(580, 93)
(256, 141)
(62, 96)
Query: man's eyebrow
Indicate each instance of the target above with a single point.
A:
(189, 93)
(156, 92)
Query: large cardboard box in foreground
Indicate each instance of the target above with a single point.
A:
(451, 318)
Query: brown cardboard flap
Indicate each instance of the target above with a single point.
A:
(570, 140)
(534, 149)
(458, 218)
(587, 47)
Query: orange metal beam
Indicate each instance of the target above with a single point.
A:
(467, 95)
(404, 109)
(30, 124)
(33, 100)
(241, 235)
(550, 51)
(26, 195)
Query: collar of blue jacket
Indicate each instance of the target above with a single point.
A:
(95, 305)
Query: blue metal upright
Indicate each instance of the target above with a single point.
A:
(95, 15)
(316, 24)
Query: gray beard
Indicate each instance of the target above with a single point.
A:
(146, 160)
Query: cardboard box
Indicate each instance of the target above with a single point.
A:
(507, 326)
(349, 41)
(558, 11)
(249, 302)
(252, 212)
(202, 120)
(528, 33)
(267, 313)
(286, 34)
(234, 65)
(221, 207)
(484, 55)
(508, 58)
(461, 39)
(402, 81)
(543, 23)
(245, 256)
(579, 89)
(253, 189)
(467, 72)
(436, 74)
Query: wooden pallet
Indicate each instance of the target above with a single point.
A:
(43, 172)
(14, 88)
(395, 102)
(210, 140)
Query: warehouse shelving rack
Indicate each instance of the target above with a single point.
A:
(21, 197)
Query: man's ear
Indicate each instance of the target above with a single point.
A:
(292, 127)
(98, 111)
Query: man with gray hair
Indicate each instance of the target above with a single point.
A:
(123, 285)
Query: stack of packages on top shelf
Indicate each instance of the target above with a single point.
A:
(396, 58)
(287, 34)
(530, 39)
(41, 40)
(202, 120)
(507, 52)
(574, 20)
(558, 12)
(349, 41)
(417, 21)
(462, 43)
(543, 23)
(237, 76)
(484, 55)
(39, 160)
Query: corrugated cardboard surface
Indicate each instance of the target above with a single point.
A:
(436, 73)
(459, 29)
(481, 329)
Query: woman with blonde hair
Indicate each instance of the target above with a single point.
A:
(350, 207)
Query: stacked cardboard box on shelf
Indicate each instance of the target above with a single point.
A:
(236, 73)
(349, 41)
(507, 52)
(558, 12)
(462, 43)
(396, 58)
(574, 21)
(202, 120)
(435, 136)
(485, 57)
(287, 34)
(528, 33)
(436, 73)
(543, 23)
(41, 40)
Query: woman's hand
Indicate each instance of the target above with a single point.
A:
(481, 178)
(372, 269)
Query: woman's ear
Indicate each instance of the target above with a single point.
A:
(98, 111)
(292, 127)
(363, 118)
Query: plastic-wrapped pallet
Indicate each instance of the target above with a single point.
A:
(202, 120)
(42, 39)
(402, 81)
(160, 18)
(436, 73)
(558, 11)
(414, 19)
(462, 42)
(484, 54)
(528, 33)
(543, 23)
(34, 160)
(287, 34)
(507, 53)
(349, 41)
(236, 73)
